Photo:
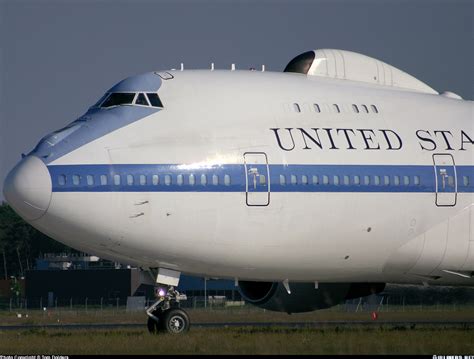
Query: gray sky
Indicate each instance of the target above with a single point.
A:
(58, 57)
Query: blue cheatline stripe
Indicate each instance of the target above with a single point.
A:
(63, 181)
(93, 124)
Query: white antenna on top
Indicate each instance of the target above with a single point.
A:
(182, 66)
(212, 66)
(232, 68)
(263, 68)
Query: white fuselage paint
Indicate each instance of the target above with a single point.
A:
(213, 118)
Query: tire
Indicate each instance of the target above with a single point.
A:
(176, 321)
(152, 326)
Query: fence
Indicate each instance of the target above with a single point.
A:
(372, 303)
(63, 303)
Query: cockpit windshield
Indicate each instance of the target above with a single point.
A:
(112, 99)
(154, 99)
(118, 98)
(141, 100)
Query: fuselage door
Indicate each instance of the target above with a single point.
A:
(257, 182)
(445, 180)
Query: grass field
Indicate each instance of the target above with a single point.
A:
(344, 339)
(241, 341)
(246, 314)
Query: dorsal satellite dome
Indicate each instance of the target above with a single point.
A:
(348, 65)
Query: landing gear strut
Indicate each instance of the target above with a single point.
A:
(165, 315)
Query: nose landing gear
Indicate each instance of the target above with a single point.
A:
(176, 321)
(165, 315)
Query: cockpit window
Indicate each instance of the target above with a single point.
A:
(141, 100)
(112, 99)
(154, 100)
(118, 98)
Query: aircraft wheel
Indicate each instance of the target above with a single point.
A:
(153, 326)
(176, 321)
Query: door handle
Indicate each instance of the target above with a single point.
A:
(254, 171)
(444, 174)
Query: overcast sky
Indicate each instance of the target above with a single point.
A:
(58, 57)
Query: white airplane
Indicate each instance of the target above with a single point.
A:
(307, 187)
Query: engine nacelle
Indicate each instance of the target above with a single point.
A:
(304, 297)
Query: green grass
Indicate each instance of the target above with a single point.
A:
(246, 314)
(241, 341)
(345, 339)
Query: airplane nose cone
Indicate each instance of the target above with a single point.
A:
(28, 188)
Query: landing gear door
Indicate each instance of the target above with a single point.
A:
(445, 180)
(257, 176)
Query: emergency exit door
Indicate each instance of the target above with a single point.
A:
(257, 176)
(445, 180)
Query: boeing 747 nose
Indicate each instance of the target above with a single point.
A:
(28, 188)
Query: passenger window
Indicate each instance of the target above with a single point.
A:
(62, 180)
(376, 180)
(227, 180)
(203, 179)
(167, 180)
(304, 179)
(76, 179)
(374, 109)
(366, 110)
(336, 108)
(142, 180)
(315, 180)
(346, 180)
(406, 180)
(215, 180)
(317, 108)
(293, 179)
(130, 180)
(155, 180)
(366, 180)
(416, 180)
(356, 180)
(465, 181)
(282, 180)
(386, 180)
(296, 107)
(355, 108)
(117, 180)
(336, 180)
(103, 180)
(154, 100)
(90, 180)
(262, 180)
(450, 181)
(396, 180)
(192, 180)
(141, 100)
(179, 180)
(325, 179)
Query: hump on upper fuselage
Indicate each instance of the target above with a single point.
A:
(348, 65)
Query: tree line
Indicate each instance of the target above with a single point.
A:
(21, 244)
